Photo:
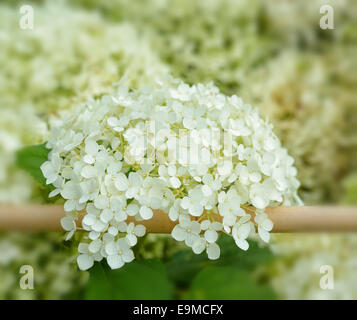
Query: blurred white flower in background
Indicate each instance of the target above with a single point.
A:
(74, 54)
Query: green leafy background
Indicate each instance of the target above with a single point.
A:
(300, 77)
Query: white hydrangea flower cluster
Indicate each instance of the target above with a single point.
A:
(207, 160)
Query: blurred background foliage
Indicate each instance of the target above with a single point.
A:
(271, 53)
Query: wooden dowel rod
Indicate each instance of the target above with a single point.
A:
(313, 218)
(32, 218)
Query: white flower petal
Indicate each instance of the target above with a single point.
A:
(83, 248)
(243, 244)
(121, 182)
(85, 261)
(115, 261)
(70, 190)
(99, 226)
(70, 205)
(146, 213)
(106, 215)
(91, 147)
(54, 193)
(264, 235)
(89, 159)
(89, 172)
(89, 219)
(68, 224)
(198, 246)
(244, 230)
(207, 191)
(95, 246)
(173, 214)
(267, 225)
(213, 251)
(195, 227)
(196, 210)
(211, 236)
(132, 209)
(205, 224)
(101, 202)
(128, 255)
(111, 248)
(135, 179)
(175, 182)
(178, 233)
(132, 240)
(139, 230)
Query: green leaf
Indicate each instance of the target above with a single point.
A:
(350, 189)
(99, 287)
(137, 280)
(184, 264)
(31, 158)
(255, 256)
(216, 283)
